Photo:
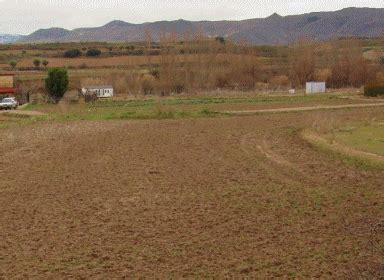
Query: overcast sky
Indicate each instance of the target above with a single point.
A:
(26, 16)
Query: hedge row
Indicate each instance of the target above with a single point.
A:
(76, 52)
(374, 90)
(72, 53)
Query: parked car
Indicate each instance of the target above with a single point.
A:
(8, 103)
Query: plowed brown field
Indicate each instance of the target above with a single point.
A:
(235, 196)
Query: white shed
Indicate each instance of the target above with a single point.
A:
(315, 87)
(100, 91)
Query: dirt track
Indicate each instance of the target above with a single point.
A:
(302, 109)
(21, 113)
(242, 196)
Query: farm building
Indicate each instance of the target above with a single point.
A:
(99, 91)
(7, 84)
(315, 87)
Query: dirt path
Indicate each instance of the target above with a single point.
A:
(375, 99)
(303, 109)
(200, 198)
(22, 113)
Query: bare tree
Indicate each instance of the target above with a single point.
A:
(303, 63)
(349, 67)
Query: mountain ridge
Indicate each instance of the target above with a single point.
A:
(272, 30)
(9, 38)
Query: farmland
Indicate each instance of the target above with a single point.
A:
(170, 188)
(202, 165)
(182, 107)
(223, 148)
(197, 65)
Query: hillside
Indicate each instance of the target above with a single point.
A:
(273, 30)
(9, 38)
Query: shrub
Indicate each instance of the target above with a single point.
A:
(13, 64)
(155, 73)
(374, 90)
(37, 63)
(220, 39)
(178, 87)
(136, 52)
(90, 98)
(57, 82)
(93, 52)
(72, 53)
(148, 84)
(45, 62)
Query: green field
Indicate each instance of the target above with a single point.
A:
(358, 144)
(175, 107)
(368, 138)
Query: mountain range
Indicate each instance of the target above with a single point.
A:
(8, 38)
(273, 30)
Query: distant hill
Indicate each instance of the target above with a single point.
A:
(273, 30)
(8, 38)
(48, 35)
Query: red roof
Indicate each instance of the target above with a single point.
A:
(7, 90)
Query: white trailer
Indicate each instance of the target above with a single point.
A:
(99, 91)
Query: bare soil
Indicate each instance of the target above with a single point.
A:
(223, 197)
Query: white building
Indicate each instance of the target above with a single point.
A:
(99, 91)
(315, 87)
